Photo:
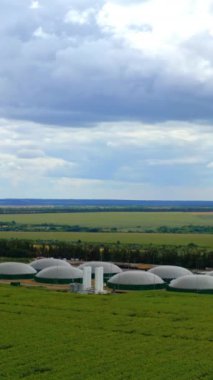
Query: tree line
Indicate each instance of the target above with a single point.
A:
(83, 209)
(190, 256)
(50, 227)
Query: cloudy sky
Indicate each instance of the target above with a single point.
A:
(106, 99)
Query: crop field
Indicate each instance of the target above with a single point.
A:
(125, 227)
(147, 335)
(204, 240)
(115, 219)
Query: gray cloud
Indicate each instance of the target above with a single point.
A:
(106, 158)
(77, 73)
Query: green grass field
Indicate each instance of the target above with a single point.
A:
(134, 336)
(205, 240)
(115, 219)
(120, 220)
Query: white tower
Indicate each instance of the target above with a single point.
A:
(87, 278)
(99, 280)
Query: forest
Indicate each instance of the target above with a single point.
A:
(190, 256)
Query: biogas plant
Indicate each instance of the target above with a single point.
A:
(101, 277)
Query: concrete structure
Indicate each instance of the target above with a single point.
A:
(14, 270)
(60, 275)
(41, 264)
(169, 272)
(109, 268)
(198, 283)
(135, 280)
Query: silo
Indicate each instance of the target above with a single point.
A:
(109, 268)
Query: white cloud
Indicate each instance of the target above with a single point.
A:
(35, 4)
(74, 16)
(134, 64)
(176, 161)
(112, 60)
(126, 160)
(210, 165)
(169, 22)
(30, 153)
(40, 33)
(161, 29)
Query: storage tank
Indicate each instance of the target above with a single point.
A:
(135, 280)
(198, 283)
(41, 264)
(16, 270)
(169, 272)
(60, 275)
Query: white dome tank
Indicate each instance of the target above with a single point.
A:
(60, 275)
(15, 270)
(41, 264)
(169, 272)
(135, 280)
(200, 283)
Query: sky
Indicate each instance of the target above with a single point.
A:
(106, 99)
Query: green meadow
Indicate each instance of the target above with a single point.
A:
(115, 219)
(204, 240)
(146, 335)
(125, 227)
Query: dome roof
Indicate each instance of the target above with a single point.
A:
(109, 268)
(16, 270)
(193, 282)
(135, 279)
(48, 262)
(169, 272)
(60, 274)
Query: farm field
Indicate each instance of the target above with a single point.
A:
(115, 219)
(147, 335)
(205, 240)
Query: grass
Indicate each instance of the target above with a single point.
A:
(147, 335)
(116, 219)
(205, 240)
(120, 220)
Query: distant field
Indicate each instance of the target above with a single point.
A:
(116, 219)
(147, 335)
(205, 240)
(119, 220)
